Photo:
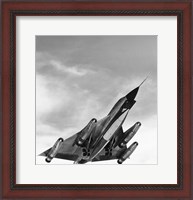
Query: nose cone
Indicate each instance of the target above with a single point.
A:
(131, 95)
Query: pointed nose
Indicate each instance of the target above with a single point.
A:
(131, 95)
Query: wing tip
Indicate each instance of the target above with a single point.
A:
(45, 153)
(41, 154)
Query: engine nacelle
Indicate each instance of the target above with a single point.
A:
(52, 153)
(127, 153)
(85, 132)
(130, 133)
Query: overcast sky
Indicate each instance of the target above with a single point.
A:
(81, 77)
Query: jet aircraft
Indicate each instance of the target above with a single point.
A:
(100, 140)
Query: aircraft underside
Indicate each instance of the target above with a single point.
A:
(85, 151)
(100, 140)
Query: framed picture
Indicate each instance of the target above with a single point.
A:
(96, 100)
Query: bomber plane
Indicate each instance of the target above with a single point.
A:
(100, 140)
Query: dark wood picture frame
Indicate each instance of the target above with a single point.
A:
(10, 10)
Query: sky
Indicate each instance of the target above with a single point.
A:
(81, 77)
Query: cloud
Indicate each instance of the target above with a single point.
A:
(74, 70)
(50, 96)
(46, 65)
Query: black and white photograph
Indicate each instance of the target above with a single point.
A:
(96, 99)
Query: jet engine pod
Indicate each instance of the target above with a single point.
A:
(54, 150)
(85, 132)
(127, 153)
(130, 133)
(48, 159)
